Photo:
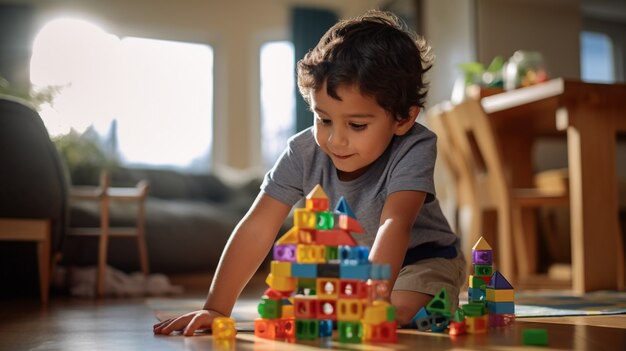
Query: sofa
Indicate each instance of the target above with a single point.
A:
(188, 220)
(188, 217)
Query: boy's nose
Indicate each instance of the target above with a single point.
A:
(337, 137)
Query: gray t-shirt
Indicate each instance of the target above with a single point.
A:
(407, 164)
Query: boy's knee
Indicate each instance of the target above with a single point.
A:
(407, 304)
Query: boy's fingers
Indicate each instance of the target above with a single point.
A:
(175, 324)
(160, 324)
(195, 324)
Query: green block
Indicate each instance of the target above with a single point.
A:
(310, 284)
(350, 332)
(459, 315)
(440, 304)
(325, 220)
(391, 313)
(270, 309)
(483, 270)
(332, 253)
(307, 329)
(536, 337)
(474, 309)
(478, 283)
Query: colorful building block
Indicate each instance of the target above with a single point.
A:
(223, 328)
(535, 337)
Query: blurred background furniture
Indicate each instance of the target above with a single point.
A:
(481, 163)
(104, 196)
(592, 118)
(38, 231)
(33, 191)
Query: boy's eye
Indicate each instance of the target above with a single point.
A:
(358, 126)
(324, 121)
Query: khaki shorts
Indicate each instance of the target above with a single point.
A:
(430, 275)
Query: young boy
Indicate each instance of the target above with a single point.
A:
(364, 83)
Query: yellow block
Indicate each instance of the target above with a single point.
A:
(350, 310)
(311, 253)
(303, 218)
(281, 283)
(376, 314)
(500, 295)
(280, 268)
(291, 237)
(287, 311)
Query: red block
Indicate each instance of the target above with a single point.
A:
(384, 332)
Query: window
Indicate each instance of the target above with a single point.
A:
(596, 58)
(277, 98)
(151, 99)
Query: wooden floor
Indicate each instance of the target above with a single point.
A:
(126, 324)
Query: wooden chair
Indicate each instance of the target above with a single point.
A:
(467, 225)
(105, 195)
(481, 163)
(37, 230)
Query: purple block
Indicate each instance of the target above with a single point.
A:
(285, 253)
(482, 256)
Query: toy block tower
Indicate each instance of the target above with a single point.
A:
(500, 301)
(476, 314)
(482, 269)
(490, 295)
(321, 280)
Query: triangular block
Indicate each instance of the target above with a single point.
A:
(498, 281)
(291, 237)
(343, 208)
(482, 244)
(440, 303)
(317, 200)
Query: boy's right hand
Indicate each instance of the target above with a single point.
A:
(187, 323)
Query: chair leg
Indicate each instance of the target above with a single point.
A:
(505, 243)
(43, 258)
(103, 247)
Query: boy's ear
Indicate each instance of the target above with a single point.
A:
(405, 125)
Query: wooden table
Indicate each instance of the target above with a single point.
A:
(591, 116)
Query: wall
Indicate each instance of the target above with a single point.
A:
(234, 28)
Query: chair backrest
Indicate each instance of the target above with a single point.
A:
(33, 180)
(477, 146)
(447, 150)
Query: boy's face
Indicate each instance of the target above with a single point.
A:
(355, 131)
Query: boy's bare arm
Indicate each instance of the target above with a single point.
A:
(399, 213)
(247, 247)
(244, 252)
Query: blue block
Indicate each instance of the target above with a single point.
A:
(326, 328)
(474, 294)
(304, 270)
(501, 307)
(353, 255)
(361, 272)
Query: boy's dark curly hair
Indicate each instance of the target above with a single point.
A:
(375, 52)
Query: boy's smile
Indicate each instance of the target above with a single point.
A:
(354, 131)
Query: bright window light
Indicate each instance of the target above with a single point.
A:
(277, 98)
(154, 98)
(596, 58)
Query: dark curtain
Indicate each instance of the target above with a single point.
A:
(308, 25)
(16, 41)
